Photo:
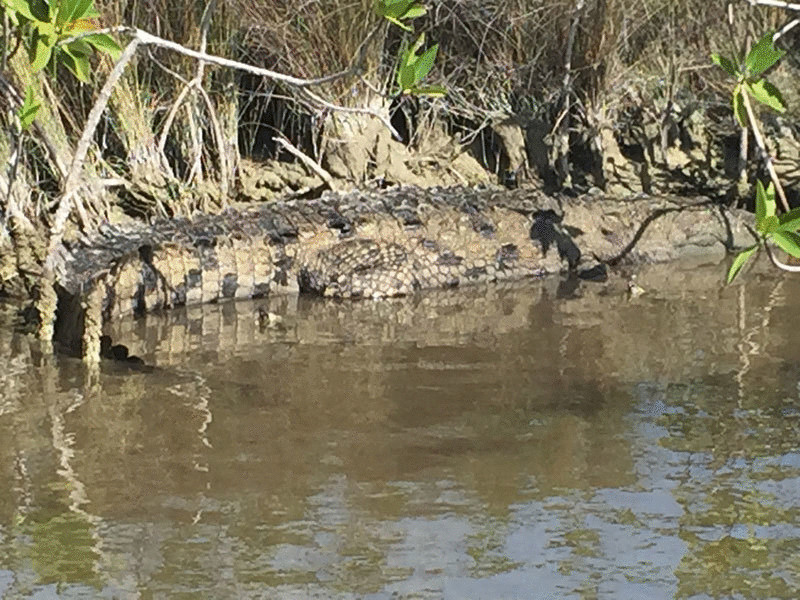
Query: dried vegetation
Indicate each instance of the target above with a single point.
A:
(556, 92)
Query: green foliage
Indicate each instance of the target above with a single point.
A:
(739, 110)
(765, 203)
(397, 11)
(788, 241)
(412, 67)
(27, 112)
(780, 229)
(739, 261)
(725, 64)
(790, 221)
(761, 57)
(50, 27)
(767, 94)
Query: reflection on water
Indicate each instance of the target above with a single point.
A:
(487, 443)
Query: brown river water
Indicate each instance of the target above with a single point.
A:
(528, 441)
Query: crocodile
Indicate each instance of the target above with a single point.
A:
(376, 244)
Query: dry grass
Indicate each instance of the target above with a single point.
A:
(496, 56)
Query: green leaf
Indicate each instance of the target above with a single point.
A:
(22, 7)
(789, 221)
(725, 64)
(765, 202)
(83, 10)
(41, 50)
(435, 91)
(761, 202)
(64, 11)
(770, 199)
(411, 65)
(45, 28)
(30, 106)
(768, 225)
(417, 45)
(788, 241)
(405, 77)
(739, 261)
(768, 94)
(81, 69)
(104, 43)
(393, 8)
(739, 110)
(424, 64)
(414, 11)
(40, 10)
(77, 63)
(762, 56)
(398, 23)
(80, 47)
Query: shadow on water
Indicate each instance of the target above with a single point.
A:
(485, 443)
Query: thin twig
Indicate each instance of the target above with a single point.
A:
(71, 182)
(306, 160)
(765, 155)
(162, 140)
(355, 110)
(778, 3)
(562, 133)
(150, 39)
(47, 300)
(196, 132)
(217, 129)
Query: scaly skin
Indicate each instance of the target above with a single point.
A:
(378, 244)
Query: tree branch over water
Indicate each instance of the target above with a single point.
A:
(145, 38)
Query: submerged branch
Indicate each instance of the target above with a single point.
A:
(779, 264)
(47, 300)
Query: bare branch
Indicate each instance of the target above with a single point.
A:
(218, 136)
(765, 155)
(355, 110)
(162, 141)
(150, 39)
(306, 160)
(196, 133)
(777, 3)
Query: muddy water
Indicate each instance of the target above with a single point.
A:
(535, 441)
